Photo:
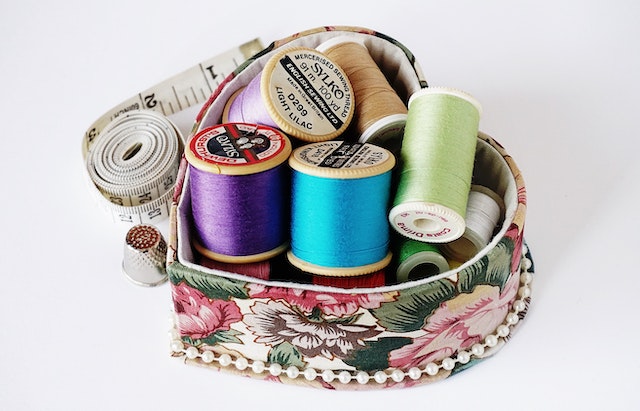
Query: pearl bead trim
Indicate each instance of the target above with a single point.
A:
(362, 377)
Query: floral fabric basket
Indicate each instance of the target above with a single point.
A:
(400, 335)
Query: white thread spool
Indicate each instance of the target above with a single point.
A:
(485, 209)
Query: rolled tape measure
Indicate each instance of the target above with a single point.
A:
(132, 152)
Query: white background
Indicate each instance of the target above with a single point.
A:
(558, 81)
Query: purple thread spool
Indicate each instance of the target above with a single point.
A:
(239, 192)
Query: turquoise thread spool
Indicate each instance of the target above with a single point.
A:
(438, 152)
(340, 194)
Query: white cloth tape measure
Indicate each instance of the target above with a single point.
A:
(132, 152)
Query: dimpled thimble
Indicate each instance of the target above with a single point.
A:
(145, 256)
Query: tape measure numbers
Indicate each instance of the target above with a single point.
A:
(132, 152)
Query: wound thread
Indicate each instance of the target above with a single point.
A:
(484, 210)
(246, 105)
(438, 152)
(239, 187)
(372, 280)
(380, 114)
(340, 193)
(258, 269)
(417, 260)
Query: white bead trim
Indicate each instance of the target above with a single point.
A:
(363, 377)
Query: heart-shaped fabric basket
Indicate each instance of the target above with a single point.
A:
(273, 322)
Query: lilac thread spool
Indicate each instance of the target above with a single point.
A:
(300, 91)
(239, 192)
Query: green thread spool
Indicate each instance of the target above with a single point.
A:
(438, 152)
(419, 260)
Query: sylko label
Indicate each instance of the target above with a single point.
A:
(342, 155)
(310, 93)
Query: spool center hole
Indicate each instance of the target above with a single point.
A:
(423, 270)
(131, 151)
(426, 224)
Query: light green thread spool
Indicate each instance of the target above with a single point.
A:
(419, 260)
(438, 152)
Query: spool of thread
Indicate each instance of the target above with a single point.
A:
(380, 114)
(453, 264)
(276, 268)
(484, 209)
(417, 259)
(372, 280)
(299, 91)
(258, 269)
(239, 185)
(438, 152)
(340, 194)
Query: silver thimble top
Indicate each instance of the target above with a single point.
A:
(145, 256)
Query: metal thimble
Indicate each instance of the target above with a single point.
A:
(145, 256)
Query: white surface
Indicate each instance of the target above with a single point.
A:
(558, 82)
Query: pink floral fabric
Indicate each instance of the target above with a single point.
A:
(339, 305)
(199, 316)
(458, 324)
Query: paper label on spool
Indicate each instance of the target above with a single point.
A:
(341, 159)
(307, 94)
(426, 222)
(238, 148)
